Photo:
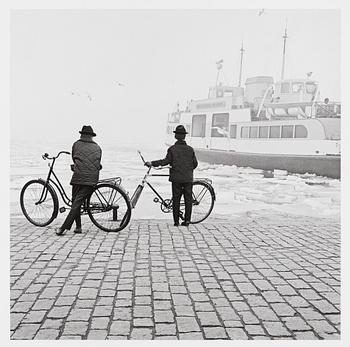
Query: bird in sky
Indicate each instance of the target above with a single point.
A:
(308, 74)
(261, 12)
(120, 84)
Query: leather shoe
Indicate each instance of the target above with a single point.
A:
(185, 224)
(78, 230)
(59, 231)
(176, 224)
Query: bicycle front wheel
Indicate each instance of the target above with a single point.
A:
(39, 202)
(203, 198)
(109, 207)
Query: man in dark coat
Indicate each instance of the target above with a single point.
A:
(86, 155)
(183, 161)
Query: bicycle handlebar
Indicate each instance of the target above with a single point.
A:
(152, 167)
(46, 155)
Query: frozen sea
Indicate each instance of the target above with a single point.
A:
(239, 191)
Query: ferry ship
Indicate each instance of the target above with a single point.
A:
(266, 125)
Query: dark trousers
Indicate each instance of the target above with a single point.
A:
(178, 189)
(79, 195)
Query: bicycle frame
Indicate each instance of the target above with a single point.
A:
(55, 182)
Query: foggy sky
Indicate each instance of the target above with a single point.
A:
(122, 71)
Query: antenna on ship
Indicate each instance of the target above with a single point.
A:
(240, 68)
(284, 50)
(219, 67)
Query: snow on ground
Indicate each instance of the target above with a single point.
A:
(238, 190)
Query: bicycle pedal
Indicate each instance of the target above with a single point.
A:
(62, 209)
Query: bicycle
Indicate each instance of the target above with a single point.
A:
(109, 206)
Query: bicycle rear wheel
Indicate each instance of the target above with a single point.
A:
(109, 207)
(39, 202)
(203, 198)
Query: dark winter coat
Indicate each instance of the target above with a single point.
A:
(86, 156)
(182, 160)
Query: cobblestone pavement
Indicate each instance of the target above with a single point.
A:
(245, 279)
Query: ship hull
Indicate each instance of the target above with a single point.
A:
(324, 165)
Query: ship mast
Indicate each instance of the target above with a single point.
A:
(240, 68)
(284, 51)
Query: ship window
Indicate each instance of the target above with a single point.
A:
(169, 129)
(300, 131)
(174, 117)
(287, 131)
(253, 133)
(264, 132)
(244, 132)
(198, 125)
(233, 131)
(297, 87)
(285, 87)
(220, 125)
(310, 87)
(275, 131)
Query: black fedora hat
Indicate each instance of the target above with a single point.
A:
(87, 130)
(180, 129)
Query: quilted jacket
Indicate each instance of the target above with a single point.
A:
(86, 156)
(182, 160)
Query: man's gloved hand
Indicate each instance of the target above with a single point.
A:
(148, 164)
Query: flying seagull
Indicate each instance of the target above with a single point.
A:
(261, 12)
(120, 84)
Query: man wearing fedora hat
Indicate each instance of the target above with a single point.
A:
(183, 161)
(86, 155)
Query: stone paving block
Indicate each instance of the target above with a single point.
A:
(254, 329)
(99, 323)
(215, 333)
(102, 311)
(305, 335)
(324, 306)
(165, 329)
(208, 319)
(184, 311)
(283, 310)
(296, 324)
(75, 328)
(187, 324)
(15, 319)
(309, 313)
(22, 307)
(246, 288)
(236, 334)
(97, 335)
(276, 329)
(265, 313)
(141, 334)
(79, 314)
(34, 317)
(297, 301)
(162, 304)
(59, 312)
(88, 293)
(143, 322)
(47, 334)
(120, 328)
(142, 311)
(161, 316)
(191, 336)
(322, 326)
(25, 332)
